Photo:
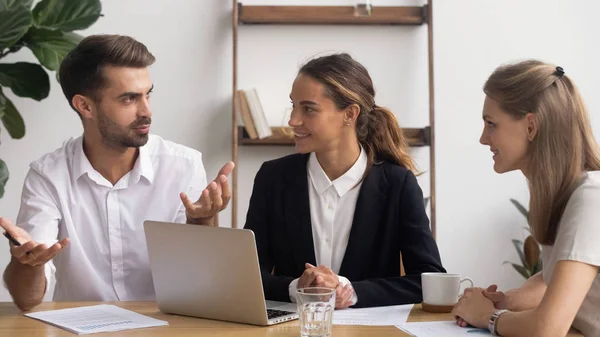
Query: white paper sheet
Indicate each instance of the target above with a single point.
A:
(97, 318)
(441, 329)
(390, 315)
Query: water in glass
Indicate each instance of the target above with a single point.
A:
(315, 319)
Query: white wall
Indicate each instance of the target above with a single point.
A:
(472, 37)
(270, 56)
(191, 104)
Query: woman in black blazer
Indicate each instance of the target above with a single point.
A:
(340, 212)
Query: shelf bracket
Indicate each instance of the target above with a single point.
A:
(427, 135)
(425, 13)
(240, 8)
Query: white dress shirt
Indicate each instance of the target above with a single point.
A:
(332, 205)
(106, 260)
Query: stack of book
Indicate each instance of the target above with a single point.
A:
(248, 106)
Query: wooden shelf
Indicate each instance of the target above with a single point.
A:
(331, 15)
(278, 138)
(275, 16)
(416, 137)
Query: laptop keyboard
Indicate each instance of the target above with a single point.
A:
(272, 313)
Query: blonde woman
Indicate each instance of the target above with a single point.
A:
(535, 121)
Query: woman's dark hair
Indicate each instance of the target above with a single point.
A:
(348, 82)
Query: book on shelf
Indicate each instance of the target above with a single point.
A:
(252, 114)
(243, 110)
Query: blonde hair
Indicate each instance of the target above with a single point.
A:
(563, 147)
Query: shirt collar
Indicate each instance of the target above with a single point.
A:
(143, 167)
(145, 164)
(81, 165)
(344, 183)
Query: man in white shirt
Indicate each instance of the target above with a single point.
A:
(83, 205)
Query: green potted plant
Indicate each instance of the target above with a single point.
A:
(46, 30)
(529, 250)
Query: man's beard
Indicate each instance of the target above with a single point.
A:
(118, 136)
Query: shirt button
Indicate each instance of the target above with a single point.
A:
(330, 206)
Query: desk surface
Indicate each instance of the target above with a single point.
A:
(13, 323)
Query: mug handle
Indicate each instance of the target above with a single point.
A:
(467, 279)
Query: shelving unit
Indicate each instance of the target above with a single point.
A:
(331, 15)
(416, 137)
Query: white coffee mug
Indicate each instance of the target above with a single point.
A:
(442, 289)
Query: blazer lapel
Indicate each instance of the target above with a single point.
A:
(367, 215)
(297, 212)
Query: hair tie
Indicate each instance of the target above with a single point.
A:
(374, 107)
(559, 71)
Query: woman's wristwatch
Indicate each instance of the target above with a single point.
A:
(493, 320)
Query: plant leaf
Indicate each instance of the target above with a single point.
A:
(519, 247)
(66, 15)
(538, 267)
(3, 177)
(51, 46)
(12, 120)
(521, 209)
(521, 270)
(14, 24)
(2, 104)
(531, 251)
(25, 79)
(8, 4)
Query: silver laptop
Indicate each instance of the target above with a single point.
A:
(210, 272)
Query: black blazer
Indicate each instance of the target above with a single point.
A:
(389, 219)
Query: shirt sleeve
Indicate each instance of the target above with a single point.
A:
(344, 281)
(292, 288)
(197, 184)
(577, 237)
(40, 214)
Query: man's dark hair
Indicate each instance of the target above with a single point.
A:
(80, 72)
